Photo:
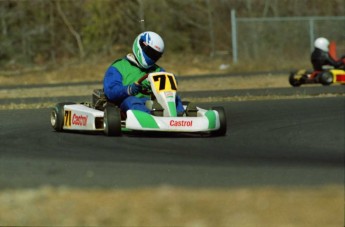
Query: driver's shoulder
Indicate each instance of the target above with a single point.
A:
(120, 62)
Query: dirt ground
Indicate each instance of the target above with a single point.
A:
(163, 205)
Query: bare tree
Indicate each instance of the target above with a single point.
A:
(72, 30)
(141, 15)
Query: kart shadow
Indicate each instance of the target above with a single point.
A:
(144, 134)
(86, 133)
(166, 134)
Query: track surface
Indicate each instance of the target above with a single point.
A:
(281, 142)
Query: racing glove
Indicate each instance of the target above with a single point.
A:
(146, 86)
(133, 89)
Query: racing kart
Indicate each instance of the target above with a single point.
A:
(105, 116)
(325, 77)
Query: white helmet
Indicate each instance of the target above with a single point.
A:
(322, 44)
(148, 47)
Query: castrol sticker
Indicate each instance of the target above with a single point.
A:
(80, 120)
(180, 123)
(169, 94)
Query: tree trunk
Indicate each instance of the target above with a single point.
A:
(72, 30)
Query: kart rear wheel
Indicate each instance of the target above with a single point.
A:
(57, 115)
(326, 78)
(112, 121)
(222, 120)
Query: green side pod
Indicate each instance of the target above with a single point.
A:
(211, 116)
(146, 120)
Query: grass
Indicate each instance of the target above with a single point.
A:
(172, 206)
(93, 69)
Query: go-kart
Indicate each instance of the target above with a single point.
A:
(105, 116)
(326, 77)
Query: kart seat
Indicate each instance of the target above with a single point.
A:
(99, 100)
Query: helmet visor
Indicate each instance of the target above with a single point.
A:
(149, 51)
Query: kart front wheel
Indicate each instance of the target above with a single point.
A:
(57, 115)
(112, 121)
(222, 120)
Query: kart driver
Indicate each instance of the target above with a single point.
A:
(320, 57)
(120, 81)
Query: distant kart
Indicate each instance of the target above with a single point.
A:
(326, 77)
(104, 116)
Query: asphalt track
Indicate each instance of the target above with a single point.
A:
(294, 142)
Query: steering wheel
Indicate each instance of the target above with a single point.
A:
(140, 82)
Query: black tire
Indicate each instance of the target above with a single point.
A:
(57, 115)
(293, 81)
(112, 121)
(326, 78)
(223, 123)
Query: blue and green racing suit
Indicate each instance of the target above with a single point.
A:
(120, 74)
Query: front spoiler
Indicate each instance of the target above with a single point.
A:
(207, 120)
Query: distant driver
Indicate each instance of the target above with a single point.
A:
(320, 58)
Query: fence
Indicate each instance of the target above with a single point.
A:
(282, 38)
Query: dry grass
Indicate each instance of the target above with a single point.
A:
(237, 82)
(93, 70)
(168, 206)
